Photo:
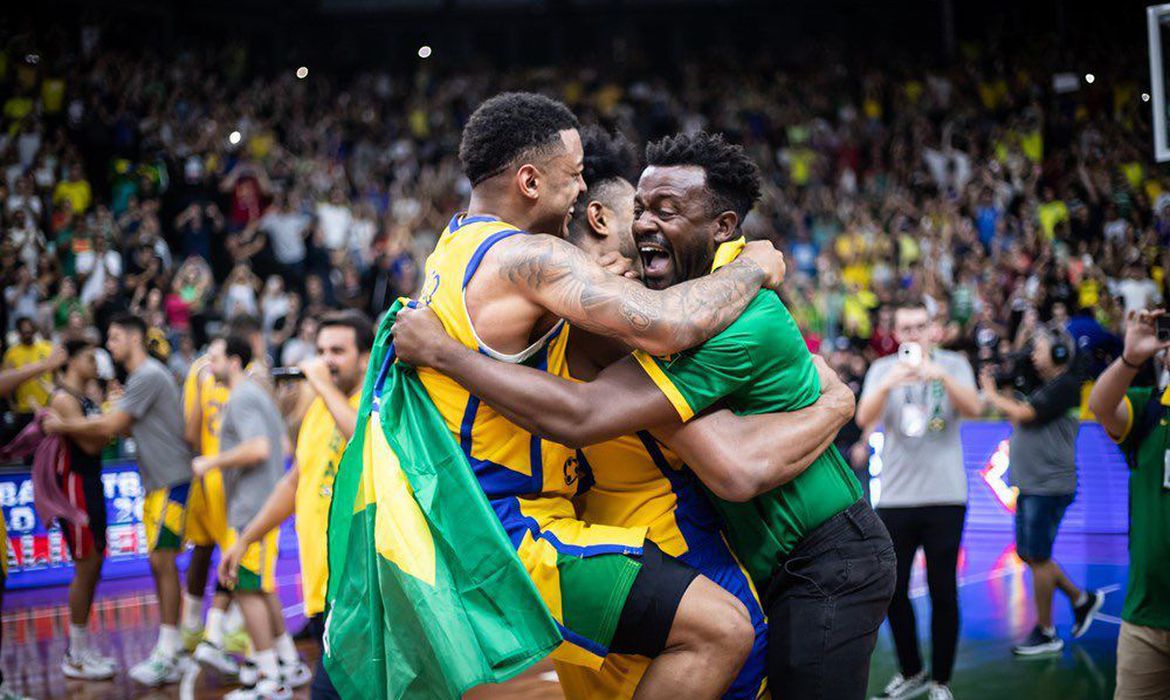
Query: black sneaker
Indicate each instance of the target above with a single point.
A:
(1085, 613)
(1038, 643)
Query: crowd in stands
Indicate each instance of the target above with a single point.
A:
(188, 189)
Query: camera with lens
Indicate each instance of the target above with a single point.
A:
(1016, 371)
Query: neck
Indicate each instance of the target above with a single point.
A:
(72, 382)
(135, 359)
(487, 200)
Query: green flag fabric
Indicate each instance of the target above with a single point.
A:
(426, 595)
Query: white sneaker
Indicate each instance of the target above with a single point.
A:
(158, 669)
(88, 665)
(7, 693)
(249, 673)
(940, 692)
(216, 658)
(900, 687)
(296, 675)
(265, 689)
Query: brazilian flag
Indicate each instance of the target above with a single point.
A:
(426, 596)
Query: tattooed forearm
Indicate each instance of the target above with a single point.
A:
(565, 281)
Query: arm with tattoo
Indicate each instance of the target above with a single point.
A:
(562, 279)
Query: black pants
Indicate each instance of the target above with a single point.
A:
(322, 688)
(938, 530)
(825, 607)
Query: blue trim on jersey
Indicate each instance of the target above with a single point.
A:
(516, 524)
(477, 256)
(179, 492)
(587, 644)
(457, 223)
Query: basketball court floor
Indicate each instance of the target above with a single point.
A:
(996, 609)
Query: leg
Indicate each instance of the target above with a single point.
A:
(1143, 663)
(941, 545)
(709, 640)
(276, 611)
(257, 618)
(906, 535)
(86, 573)
(1043, 586)
(197, 570)
(166, 582)
(826, 608)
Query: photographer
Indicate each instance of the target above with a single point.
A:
(1043, 468)
(919, 395)
(1139, 419)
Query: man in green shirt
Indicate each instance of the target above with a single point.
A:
(817, 553)
(1139, 419)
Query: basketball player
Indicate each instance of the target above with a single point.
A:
(80, 477)
(334, 381)
(502, 288)
(796, 538)
(151, 412)
(251, 458)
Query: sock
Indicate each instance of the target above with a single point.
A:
(233, 619)
(78, 638)
(267, 665)
(1082, 600)
(192, 612)
(170, 642)
(286, 649)
(213, 631)
(1050, 631)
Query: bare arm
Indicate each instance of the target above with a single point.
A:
(12, 378)
(565, 281)
(1016, 411)
(278, 508)
(70, 409)
(741, 457)
(103, 427)
(1107, 398)
(345, 415)
(248, 453)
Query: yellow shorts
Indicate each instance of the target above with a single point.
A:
(207, 510)
(258, 566)
(164, 514)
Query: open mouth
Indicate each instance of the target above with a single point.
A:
(655, 259)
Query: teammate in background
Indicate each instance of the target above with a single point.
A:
(251, 457)
(334, 381)
(506, 290)
(795, 535)
(1138, 418)
(80, 477)
(1043, 455)
(150, 411)
(213, 641)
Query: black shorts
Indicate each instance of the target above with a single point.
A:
(650, 607)
(86, 494)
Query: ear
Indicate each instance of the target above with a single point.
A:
(598, 217)
(726, 227)
(528, 181)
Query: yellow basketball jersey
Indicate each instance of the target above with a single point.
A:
(211, 396)
(529, 481)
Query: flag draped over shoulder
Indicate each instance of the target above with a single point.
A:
(426, 596)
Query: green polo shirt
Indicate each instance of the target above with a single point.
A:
(760, 364)
(1147, 596)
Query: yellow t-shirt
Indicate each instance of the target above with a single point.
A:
(34, 393)
(319, 448)
(78, 194)
(1050, 214)
(53, 94)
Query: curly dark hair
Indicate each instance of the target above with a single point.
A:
(507, 127)
(733, 180)
(609, 158)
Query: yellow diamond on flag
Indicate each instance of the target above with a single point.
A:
(401, 534)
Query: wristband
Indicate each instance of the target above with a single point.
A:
(1129, 364)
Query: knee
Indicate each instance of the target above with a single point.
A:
(162, 562)
(729, 631)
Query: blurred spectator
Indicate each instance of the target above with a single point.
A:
(33, 393)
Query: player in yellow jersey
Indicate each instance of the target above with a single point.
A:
(501, 287)
(334, 387)
(637, 481)
(203, 400)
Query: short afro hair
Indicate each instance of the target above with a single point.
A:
(609, 158)
(733, 180)
(508, 127)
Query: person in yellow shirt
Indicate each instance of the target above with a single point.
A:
(1051, 212)
(333, 385)
(76, 189)
(33, 393)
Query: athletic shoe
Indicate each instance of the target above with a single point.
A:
(216, 658)
(249, 673)
(158, 669)
(87, 665)
(7, 693)
(940, 692)
(265, 689)
(900, 687)
(237, 642)
(296, 675)
(1084, 614)
(1039, 642)
(191, 638)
